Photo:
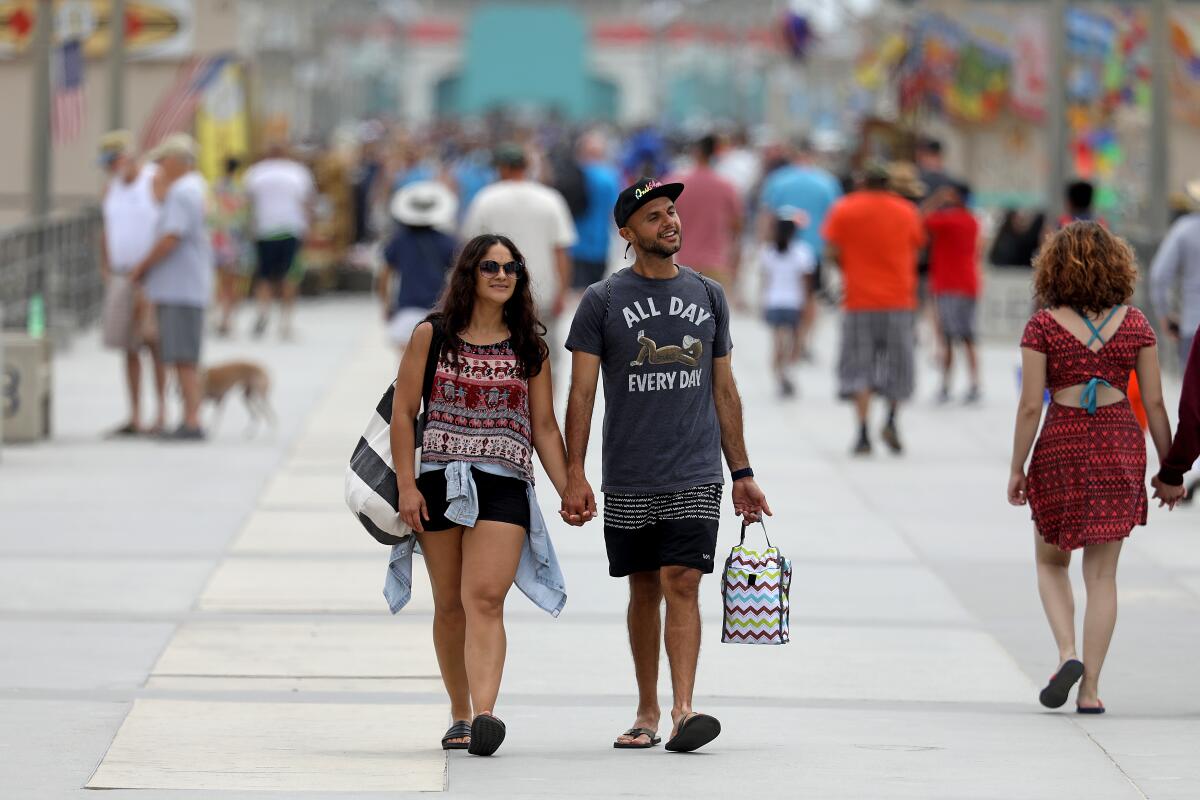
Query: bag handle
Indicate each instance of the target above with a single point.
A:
(742, 539)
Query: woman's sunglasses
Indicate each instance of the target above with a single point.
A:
(514, 268)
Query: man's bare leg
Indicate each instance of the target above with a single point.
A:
(644, 619)
(681, 587)
(133, 383)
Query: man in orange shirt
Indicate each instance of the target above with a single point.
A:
(875, 237)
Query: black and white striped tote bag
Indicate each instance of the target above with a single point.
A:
(371, 491)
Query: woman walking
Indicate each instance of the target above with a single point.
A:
(471, 503)
(1086, 486)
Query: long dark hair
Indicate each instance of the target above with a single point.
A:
(785, 230)
(526, 332)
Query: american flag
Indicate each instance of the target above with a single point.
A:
(66, 112)
(174, 111)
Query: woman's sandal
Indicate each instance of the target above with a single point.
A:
(487, 734)
(461, 729)
(1059, 688)
(634, 733)
(1090, 709)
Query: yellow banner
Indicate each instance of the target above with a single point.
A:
(222, 129)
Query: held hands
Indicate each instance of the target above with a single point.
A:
(1167, 495)
(578, 502)
(412, 507)
(749, 502)
(1016, 489)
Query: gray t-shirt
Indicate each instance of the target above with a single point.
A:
(656, 340)
(185, 276)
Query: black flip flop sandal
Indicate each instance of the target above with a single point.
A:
(1059, 688)
(461, 729)
(694, 733)
(1090, 709)
(634, 733)
(487, 734)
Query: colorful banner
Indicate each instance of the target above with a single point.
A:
(222, 128)
(153, 28)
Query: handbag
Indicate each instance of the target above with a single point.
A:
(370, 482)
(755, 594)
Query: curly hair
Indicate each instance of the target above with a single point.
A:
(1085, 267)
(526, 332)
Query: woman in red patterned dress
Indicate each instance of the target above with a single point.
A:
(1086, 485)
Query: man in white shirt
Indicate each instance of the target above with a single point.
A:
(178, 272)
(281, 193)
(130, 212)
(538, 221)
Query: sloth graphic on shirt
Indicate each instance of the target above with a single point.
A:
(656, 340)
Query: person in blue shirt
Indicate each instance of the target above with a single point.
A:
(806, 190)
(590, 253)
(418, 256)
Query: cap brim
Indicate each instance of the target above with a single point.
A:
(668, 190)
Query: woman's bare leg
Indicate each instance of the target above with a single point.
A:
(443, 558)
(1100, 616)
(1058, 600)
(490, 552)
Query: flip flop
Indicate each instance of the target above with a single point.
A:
(123, 432)
(487, 734)
(634, 733)
(461, 729)
(695, 732)
(1059, 688)
(1090, 709)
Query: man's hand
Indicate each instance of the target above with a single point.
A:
(749, 502)
(1167, 495)
(578, 502)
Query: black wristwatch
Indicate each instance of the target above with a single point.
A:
(738, 474)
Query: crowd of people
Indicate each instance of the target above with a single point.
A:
(490, 245)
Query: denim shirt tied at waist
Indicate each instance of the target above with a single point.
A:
(538, 573)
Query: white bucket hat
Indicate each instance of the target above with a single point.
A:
(425, 204)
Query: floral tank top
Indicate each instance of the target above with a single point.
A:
(479, 410)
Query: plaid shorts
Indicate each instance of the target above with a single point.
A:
(956, 316)
(877, 354)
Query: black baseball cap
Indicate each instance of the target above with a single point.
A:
(642, 192)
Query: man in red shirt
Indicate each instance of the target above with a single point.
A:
(954, 278)
(713, 210)
(1168, 484)
(874, 235)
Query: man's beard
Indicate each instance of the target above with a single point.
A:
(655, 247)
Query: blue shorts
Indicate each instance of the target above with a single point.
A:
(782, 317)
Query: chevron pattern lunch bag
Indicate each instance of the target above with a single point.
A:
(755, 591)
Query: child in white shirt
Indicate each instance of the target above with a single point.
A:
(787, 267)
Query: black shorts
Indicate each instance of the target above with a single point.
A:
(643, 533)
(275, 257)
(501, 499)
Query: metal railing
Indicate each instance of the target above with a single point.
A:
(58, 259)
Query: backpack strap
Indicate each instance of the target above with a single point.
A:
(607, 299)
(708, 290)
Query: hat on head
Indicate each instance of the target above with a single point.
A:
(1193, 191)
(510, 154)
(642, 192)
(427, 204)
(113, 145)
(177, 144)
(904, 179)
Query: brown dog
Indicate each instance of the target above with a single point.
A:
(216, 381)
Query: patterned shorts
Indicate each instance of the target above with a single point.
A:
(877, 354)
(956, 316)
(646, 532)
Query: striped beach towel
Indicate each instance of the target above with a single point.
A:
(371, 491)
(755, 590)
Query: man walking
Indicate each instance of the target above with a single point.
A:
(714, 213)
(603, 184)
(130, 212)
(1175, 276)
(875, 236)
(538, 221)
(178, 273)
(281, 193)
(660, 332)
